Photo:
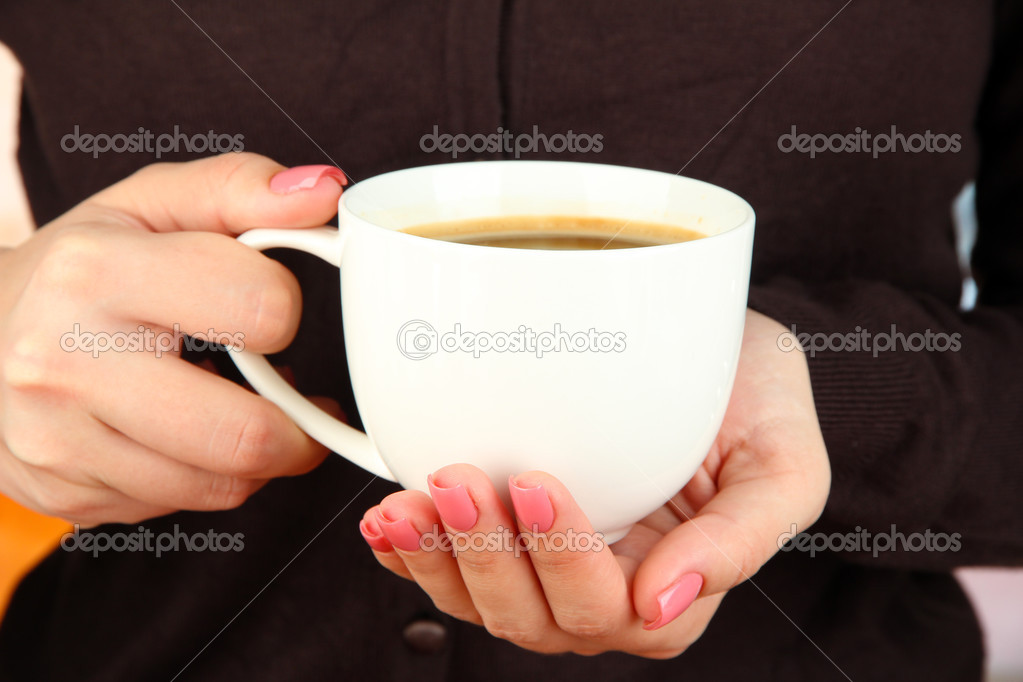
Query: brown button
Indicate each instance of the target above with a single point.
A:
(425, 636)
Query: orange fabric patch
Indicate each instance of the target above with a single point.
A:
(25, 539)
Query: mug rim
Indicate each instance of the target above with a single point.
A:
(747, 219)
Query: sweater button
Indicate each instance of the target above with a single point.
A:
(425, 636)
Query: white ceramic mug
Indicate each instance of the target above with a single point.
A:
(626, 406)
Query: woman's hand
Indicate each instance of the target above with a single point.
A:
(123, 435)
(767, 470)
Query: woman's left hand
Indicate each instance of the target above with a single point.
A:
(652, 593)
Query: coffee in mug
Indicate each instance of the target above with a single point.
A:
(555, 233)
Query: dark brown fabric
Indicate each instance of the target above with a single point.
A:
(919, 440)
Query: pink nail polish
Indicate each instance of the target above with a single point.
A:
(454, 504)
(400, 533)
(676, 599)
(373, 536)
(304, 177)
(532, 506)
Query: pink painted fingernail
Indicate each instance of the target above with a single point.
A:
(400, 533)
(676, 599)
(304, 177)
(373, 536)
(454, 504)
(532, 506)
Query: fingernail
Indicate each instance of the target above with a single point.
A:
(304, 177)
(373, 536)
(400, 533)
(454, 504)
(532, 506)
(676, 599)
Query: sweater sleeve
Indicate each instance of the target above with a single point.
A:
(927, 436)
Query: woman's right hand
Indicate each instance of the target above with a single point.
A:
(126, 435)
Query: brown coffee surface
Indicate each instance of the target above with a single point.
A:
(555, 232)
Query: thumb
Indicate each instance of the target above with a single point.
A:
(228, 194)
(724, 544)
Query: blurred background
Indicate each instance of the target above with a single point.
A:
(25, 537)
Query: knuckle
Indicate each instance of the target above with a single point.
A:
(243, 442)
(531, 636)
(65, 502)
(466, 614)
(593, 626)
(28, 363)
(29, 454)
(226, 492)
(746, 557)
(567, 565)
(273, 306)
(482, 563)
(229, 173)
(153, 171)
(747, 550)
(28, 447)
(227, 164)
(73, 261)
(434, 573)
(560, 564)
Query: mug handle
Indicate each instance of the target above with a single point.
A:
(352, 444)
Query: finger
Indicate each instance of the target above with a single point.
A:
(229, 194)
(196, 417)
(582, 580)
(248, 300)
(409, 520)
(382, 548)
(43, 468)
(500, 578)
(89, 453)
(148, 476)
(50, 494)
(731, 537)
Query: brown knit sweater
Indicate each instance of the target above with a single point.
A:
(846, 241)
